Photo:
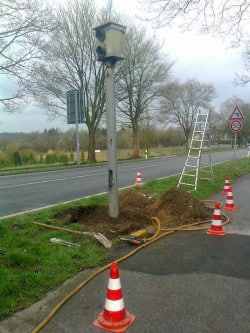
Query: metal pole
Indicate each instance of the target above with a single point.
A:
(111, 142)
(77, 128)
(235, 141)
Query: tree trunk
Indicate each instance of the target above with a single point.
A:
(186, 134)
(91, 149)
(136, 153)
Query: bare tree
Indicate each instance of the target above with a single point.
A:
(141, 74)
(243, 79)
(181, 102)
(19, 21)
(228, 106)
(227, 17)
(68, 62)
(244, 134)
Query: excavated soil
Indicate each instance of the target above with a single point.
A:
(174, 208)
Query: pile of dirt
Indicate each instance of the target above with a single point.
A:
(176, 208)
(173, 208)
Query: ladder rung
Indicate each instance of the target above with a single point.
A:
(187, 174)
(187, 184)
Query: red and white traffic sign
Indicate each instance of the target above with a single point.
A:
(236, 114)
(236, 126)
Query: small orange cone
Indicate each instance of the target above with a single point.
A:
(216, 226)
(226, 186)
(230, 201)
(138, 181)
(114, 317)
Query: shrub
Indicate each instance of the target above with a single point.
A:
(50, 158)
(63, 159)
(71, 157)
(16, 159)
(41, 159)
(82, 156)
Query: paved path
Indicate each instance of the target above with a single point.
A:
(186, 282)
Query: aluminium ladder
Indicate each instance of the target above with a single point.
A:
(198, 164)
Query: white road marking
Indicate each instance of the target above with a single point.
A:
(76, 177)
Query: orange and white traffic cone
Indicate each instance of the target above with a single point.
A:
(138, 181)
(226, 186)
(230, 201)
(114, 317)
(216, 226)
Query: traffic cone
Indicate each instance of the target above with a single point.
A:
(226, 186)
(216, 226)
(138, 181)
(114, 317)
(230, 201)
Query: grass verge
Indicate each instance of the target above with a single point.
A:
(31, 265)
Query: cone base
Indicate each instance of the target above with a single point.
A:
(216, 232)
(229, 208)
(118, 327)
(137, 184)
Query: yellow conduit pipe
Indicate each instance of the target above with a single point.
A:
(150, 240)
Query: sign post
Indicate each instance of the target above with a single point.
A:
(77, 131)
(236, 118)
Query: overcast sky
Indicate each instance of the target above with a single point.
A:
(200, 57)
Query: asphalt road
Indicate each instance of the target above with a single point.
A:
(22, 193)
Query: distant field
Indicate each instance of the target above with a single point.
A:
(101, 156)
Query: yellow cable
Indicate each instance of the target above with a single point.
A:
(150, 240)
(59, 305)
